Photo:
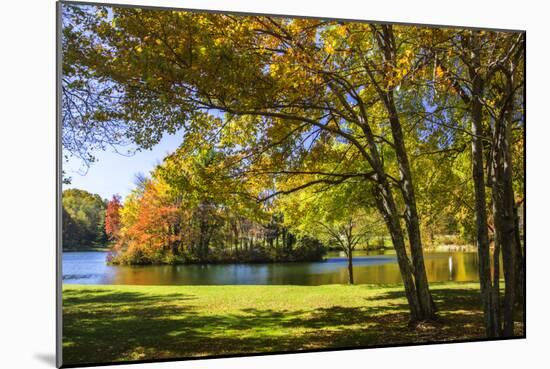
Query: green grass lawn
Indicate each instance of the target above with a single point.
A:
(113, 323)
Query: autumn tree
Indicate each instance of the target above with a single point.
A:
(284, 102)
(483, 71)
(289, 79)
(505, 109)
(112, 217)
(187, 211)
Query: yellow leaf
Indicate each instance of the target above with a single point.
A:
(342, 31)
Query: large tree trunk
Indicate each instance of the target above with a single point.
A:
(386, 42)
(490, 306)
(386, 205)
(411, 214)
(505, 217)
(387, 208)
(520, 264)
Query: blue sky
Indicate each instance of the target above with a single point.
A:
(113, 173)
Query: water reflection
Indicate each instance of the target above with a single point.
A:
(90, 268)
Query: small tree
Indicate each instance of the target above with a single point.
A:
(112, 217)
(335, 215)
(347, 234)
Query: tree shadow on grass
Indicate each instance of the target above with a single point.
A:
(102, 296)
(445, 299)
(107, 325)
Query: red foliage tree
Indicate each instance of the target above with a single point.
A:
(112, 217)
(157, 224)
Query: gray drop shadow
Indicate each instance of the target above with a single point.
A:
(46, 358)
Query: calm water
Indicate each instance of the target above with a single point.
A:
(90, 268)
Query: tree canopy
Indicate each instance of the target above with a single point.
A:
(394, 124)
(83, 219)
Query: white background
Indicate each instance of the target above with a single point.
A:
(27, 181)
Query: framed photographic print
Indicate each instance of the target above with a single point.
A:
(236, 184)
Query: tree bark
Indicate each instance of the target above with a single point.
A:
(386, 43)
(350, 266)
(387, 208)
(488, 298)
(520, 264)
(411, 214)
(505, 217)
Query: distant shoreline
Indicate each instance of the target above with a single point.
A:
(87, 249)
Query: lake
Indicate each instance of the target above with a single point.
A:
(91, 268)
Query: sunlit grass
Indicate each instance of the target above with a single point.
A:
(112, 323)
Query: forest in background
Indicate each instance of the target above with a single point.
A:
(333, 129)
(83, 220)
